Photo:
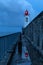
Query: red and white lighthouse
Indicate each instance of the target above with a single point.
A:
(26, 18)
(26, 15)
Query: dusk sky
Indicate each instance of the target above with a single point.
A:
(12, 17)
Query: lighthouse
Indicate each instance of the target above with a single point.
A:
(26, 18)
(26, 15)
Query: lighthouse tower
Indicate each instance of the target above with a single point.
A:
(26, 18)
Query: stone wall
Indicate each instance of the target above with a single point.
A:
(34, 31)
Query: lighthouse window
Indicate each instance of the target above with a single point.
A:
(26, 19)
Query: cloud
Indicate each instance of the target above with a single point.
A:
(17, 5)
